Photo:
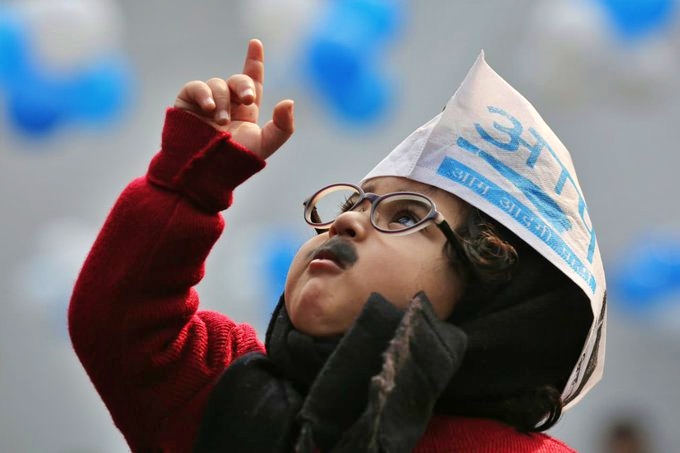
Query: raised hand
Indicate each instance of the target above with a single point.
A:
(233, 105)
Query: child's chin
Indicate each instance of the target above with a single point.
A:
(313, 320)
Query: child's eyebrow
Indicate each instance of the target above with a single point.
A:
(368, 187)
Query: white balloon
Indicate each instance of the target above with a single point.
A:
(265, 19)
(70, 33)
(563, 39)
(644, 70)
(47, 276)
(573, 53)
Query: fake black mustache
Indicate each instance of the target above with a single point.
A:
(339, 250)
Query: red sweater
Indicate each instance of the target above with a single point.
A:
(134, 319)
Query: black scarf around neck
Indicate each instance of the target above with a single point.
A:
(371, 390)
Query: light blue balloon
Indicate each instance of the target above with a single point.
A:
(14, 56)
(364, 24)
(385, 17)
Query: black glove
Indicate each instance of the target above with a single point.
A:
(252, 408)
(339, 393)
(360, 404)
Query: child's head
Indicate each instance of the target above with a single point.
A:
(396, 237)
(521, 274)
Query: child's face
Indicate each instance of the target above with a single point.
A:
(323, 297)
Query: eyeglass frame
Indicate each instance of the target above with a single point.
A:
(434, 216)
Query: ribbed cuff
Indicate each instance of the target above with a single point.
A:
(200, 162)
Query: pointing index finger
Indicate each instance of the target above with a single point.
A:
(254, 66)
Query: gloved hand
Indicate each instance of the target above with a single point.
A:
(252, 408)
(367, 401)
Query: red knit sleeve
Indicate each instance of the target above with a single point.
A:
(133, 315)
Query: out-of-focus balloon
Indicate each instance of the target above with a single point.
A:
(635, 19)
(647, 278)
(99, 92)
(263, 18)
(46, 277)
(14, 53)
(348, 82)
(60, 63)
(67, 34)
(563, 39)
(35, 107)
(577, 53)
(344, 57)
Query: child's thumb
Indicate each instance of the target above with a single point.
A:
(279, 129)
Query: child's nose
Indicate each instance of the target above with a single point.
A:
(353, 223)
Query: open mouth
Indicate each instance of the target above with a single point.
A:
(327, 254)
(338, 250)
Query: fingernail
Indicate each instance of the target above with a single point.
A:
(222, 116)
(209, 103)
(247, 92)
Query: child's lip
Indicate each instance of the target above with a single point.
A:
(339, 251)
(326, 254)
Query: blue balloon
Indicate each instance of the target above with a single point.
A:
(348, 82)
(100, 92)
(335, 66)
(384, 17)
(343, 57)
(36, 107)
(38, 100)
(647, 275)
(638, 18)
(363, 24)
(367, 99)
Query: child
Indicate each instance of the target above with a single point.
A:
(454, 302)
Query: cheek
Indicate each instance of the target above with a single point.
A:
(427, 270)
(294, 271)
(297, 266)
(446, 290)
(400, 272)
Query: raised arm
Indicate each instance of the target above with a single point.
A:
(133, 316)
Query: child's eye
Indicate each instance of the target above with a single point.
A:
(404, 219)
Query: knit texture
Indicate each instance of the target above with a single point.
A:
(134, 319)
(477, 435)
(133, 316)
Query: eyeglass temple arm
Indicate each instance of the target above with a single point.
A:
(453, 237)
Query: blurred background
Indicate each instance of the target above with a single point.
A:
(83, 89)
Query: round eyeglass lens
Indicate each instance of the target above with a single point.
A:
(330, 203)
(401, 212)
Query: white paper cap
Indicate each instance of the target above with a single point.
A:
(491, 148)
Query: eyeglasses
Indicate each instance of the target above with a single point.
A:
(397, 213)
